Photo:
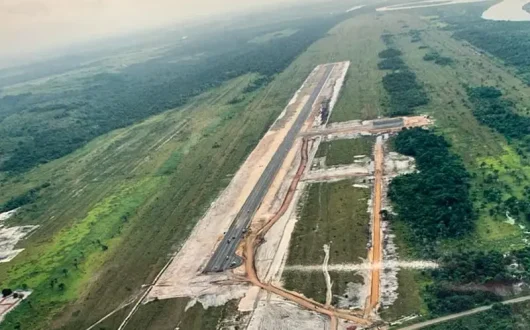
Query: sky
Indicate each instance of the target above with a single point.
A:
(28, 26)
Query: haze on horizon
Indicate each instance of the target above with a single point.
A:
(30, 26)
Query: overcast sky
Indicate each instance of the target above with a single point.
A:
(30, 25)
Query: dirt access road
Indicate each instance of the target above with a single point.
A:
(254, 239)
(375, 255)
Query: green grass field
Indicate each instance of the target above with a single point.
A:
(343, 152)
(170, 314)
(357, 40)
(313, 284)
(333, 213)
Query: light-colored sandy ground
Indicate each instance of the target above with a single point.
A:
(353, 128)
(325, 271)
(424, 4)
(508, 10)
(273, 313)
(271, 256)
(397, 164)
(10, 236)
(339, 172)
(340, 77)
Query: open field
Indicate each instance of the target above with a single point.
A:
(170, 313)
(357, 40)
(313, 285)
(335, 213)
(342, 152)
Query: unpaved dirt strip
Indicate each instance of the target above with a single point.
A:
(375, 254)
(253, 240)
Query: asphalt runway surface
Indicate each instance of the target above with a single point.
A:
(224, 256)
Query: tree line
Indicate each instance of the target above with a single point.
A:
(401, 85)
(494, 111)
(434, 201)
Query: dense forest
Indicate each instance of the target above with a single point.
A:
(27, 197)
(445, 298)
(405, 92)
(435, 201)
(391, 60)
(401, 84)
(38, 127)
(467, 279)
(498, 113)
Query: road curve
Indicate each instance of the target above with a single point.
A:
(443, 319)
(224, 256)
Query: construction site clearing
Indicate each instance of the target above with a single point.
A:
(209, 271)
